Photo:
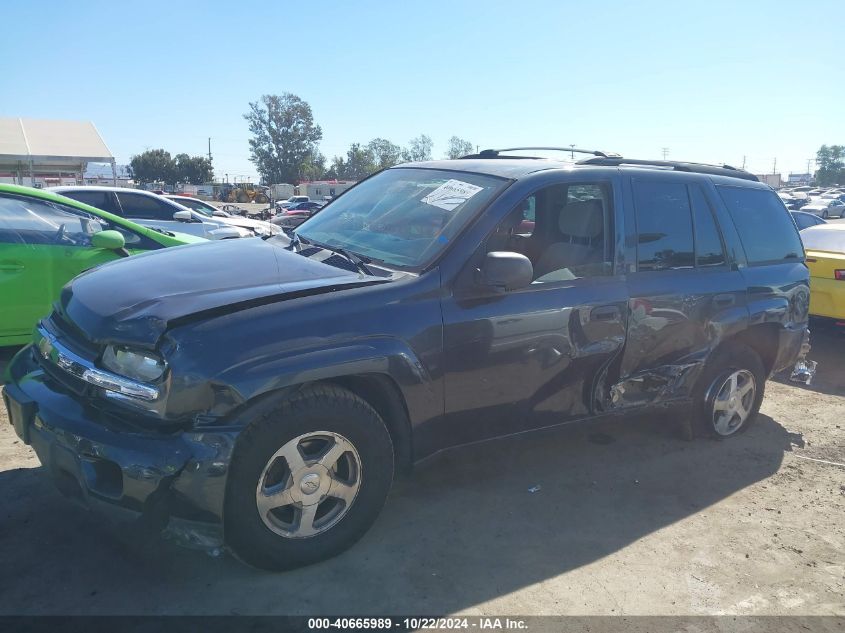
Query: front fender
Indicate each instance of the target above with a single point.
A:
(385, 355)
(231, 391)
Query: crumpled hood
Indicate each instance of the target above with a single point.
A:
(134, 300)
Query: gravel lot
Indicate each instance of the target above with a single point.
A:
(629, 519)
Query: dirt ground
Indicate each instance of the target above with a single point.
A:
(629, 519)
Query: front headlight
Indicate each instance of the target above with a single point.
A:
(137, 365)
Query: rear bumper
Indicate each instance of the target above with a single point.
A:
(173, 483)
(793, 345)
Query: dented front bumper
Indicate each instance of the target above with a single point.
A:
(172, 483)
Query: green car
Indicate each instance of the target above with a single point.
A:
(46, 240)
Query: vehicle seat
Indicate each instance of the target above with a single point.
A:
(581, 226)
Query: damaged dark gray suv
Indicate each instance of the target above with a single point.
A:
(263, 393)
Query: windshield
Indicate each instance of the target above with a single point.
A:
(195, 205)
(403, 216)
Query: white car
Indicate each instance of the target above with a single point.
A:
(153, 211)
(825, 207)
(284, 204)
(258, 227)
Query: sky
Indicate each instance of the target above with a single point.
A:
(710, 81)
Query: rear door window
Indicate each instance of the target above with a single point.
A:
(664, 225)
(767, 232)
(136, 205)
(708, 243)
(103, 200)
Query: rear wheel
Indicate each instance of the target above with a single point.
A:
(307, 479)
(729, 392)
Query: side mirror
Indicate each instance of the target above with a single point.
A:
(505, 270)
(109, 240)
(220, 214)
(183, 216)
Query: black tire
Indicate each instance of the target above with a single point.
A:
(318, 408)
(825, 215)
(726, 360)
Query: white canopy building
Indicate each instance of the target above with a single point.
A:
(40, 152)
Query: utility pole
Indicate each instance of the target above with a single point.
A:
(809, 160)
(743, 162)
(209, 149)
(665, 152)
(572, 146)
(775, 166)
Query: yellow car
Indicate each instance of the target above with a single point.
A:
(825, 248)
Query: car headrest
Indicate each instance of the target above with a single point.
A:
(582, 219)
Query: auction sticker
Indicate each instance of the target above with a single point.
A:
(451, 194)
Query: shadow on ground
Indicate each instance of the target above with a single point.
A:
(463, 531)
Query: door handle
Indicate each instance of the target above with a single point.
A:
(10, 267)
(724, 299)
(605, 313)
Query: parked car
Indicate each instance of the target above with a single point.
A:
(46, 240)
(257, 227)
(415, 313)
(825, 246)
(836, 207)
(296, 214)
(284, 204)
(805, 220)
(152, 210)
(818, 207)
(793, 203)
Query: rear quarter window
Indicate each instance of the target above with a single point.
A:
(765, 227)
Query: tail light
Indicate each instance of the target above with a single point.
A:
(839, 275)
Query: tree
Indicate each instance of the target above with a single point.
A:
(193, 170)
(458, 147)
(284, 137)
(359, 163)
(419, 148)
(830, 160)
(314, 167)
(153, 165)
(385, 154)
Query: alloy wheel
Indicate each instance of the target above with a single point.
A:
(309, 484)
(734, 401)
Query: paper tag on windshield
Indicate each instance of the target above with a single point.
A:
(450, 194)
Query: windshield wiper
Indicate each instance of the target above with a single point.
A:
(359, 261)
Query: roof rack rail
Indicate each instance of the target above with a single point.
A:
(698, 168)
(494, 153)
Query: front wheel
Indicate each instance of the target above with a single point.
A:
(729, 391)
(308, 479)
(825, 215)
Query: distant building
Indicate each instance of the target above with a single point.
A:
(43, 153)
(317, 189)
(799, 179)
(282, 191)
(773, 180)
